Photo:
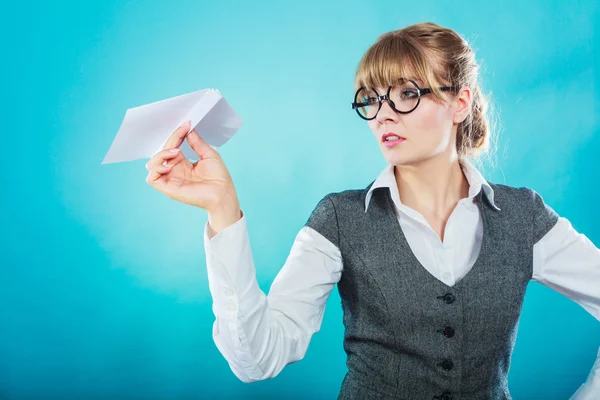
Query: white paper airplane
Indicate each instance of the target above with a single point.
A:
(145, 129)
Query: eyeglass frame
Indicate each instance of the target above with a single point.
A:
(420, 92)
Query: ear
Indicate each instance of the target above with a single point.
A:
(463, 104)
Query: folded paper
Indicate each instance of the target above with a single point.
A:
(145, 129)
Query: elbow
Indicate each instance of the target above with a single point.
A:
(247, 374)
(240, 362)
(247, 379)
(244, 378)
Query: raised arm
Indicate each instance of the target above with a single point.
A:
(257, 334)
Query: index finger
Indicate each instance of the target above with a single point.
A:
(178, 136)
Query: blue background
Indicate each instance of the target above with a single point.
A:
(104, 291)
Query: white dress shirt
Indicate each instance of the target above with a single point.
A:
(260, 334)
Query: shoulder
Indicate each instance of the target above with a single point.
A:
(328, 205)
(520, 194)
(530, 206)
(507, 193)
(343, 199)
(325, 215)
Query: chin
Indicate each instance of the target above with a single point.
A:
(402, 159)
(397, 160)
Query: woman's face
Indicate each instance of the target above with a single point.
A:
(429, 130)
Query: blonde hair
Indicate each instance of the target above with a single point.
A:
(433, 56)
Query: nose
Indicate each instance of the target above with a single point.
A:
(386, 112)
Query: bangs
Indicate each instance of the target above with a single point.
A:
(392, 57)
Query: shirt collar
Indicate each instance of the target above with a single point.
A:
(476, 183)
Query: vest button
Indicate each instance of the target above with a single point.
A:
(446, 364)
(449, 332)
(448, 298)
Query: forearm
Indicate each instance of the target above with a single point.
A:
(256, 336)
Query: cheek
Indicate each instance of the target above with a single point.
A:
(373, 126)
(429, 118)
(430, 128)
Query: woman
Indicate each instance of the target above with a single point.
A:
(431, 260)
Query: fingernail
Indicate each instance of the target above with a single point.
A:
(184, 124)
(174, 150)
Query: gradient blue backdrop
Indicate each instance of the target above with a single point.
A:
(104, 291)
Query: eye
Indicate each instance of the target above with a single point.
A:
(368, 100)
(372, 100)
(408, 94)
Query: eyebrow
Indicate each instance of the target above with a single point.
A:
(419, 82)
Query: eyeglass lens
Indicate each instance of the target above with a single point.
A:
(404, 97)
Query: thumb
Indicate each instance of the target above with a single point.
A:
(201, 148)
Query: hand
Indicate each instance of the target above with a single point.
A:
(206, 183)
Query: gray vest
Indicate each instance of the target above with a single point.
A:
(409, 335)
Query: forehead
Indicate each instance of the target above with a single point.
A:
(402, 80)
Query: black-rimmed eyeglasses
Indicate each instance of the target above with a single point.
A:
(403, 97)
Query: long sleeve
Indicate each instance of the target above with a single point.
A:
(260, 334)
(569, 263)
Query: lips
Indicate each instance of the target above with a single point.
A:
(385, 135)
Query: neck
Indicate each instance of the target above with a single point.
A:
(432, 187)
